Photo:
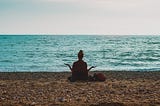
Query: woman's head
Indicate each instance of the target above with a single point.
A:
(80, 55)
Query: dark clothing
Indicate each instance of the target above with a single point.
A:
(79, 70)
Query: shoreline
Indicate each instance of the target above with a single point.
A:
(108, 74)
(121, 88)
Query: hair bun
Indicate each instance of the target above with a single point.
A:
(80, 53)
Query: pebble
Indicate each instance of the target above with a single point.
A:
(62, 99)
(2, 98)
(33, 103)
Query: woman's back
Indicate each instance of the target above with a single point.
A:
(79, 70)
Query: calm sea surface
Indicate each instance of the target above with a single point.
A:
(49, 53)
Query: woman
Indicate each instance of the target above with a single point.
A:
(79, 69)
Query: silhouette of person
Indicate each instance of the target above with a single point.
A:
(79, 69)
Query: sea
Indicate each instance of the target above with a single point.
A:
(49, 53)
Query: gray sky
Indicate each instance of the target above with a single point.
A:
(80, 17)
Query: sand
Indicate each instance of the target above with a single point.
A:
(122, 88)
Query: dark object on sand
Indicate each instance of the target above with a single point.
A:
(96, 77)
(99, 77)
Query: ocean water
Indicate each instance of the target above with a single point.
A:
(36, 53)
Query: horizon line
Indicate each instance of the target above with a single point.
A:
(90, 34)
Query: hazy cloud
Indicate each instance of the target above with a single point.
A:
(80, 16)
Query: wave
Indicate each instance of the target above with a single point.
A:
(6, 61)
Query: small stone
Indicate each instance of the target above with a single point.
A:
(78, 99)
(62, 99)
(4, 92)
(33, 103)
(2, 98)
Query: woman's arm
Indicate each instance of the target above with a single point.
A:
(91, 68)
(69, 66)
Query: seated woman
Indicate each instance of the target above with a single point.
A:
(79, 69)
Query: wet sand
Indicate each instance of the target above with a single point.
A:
(122, 88)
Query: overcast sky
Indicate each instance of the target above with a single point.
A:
(80, 17)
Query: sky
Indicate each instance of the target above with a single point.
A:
(107, 17)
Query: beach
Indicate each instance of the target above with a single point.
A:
(121, 88)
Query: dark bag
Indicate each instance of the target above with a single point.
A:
(99, 77)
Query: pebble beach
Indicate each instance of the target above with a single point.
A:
(121, 88)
